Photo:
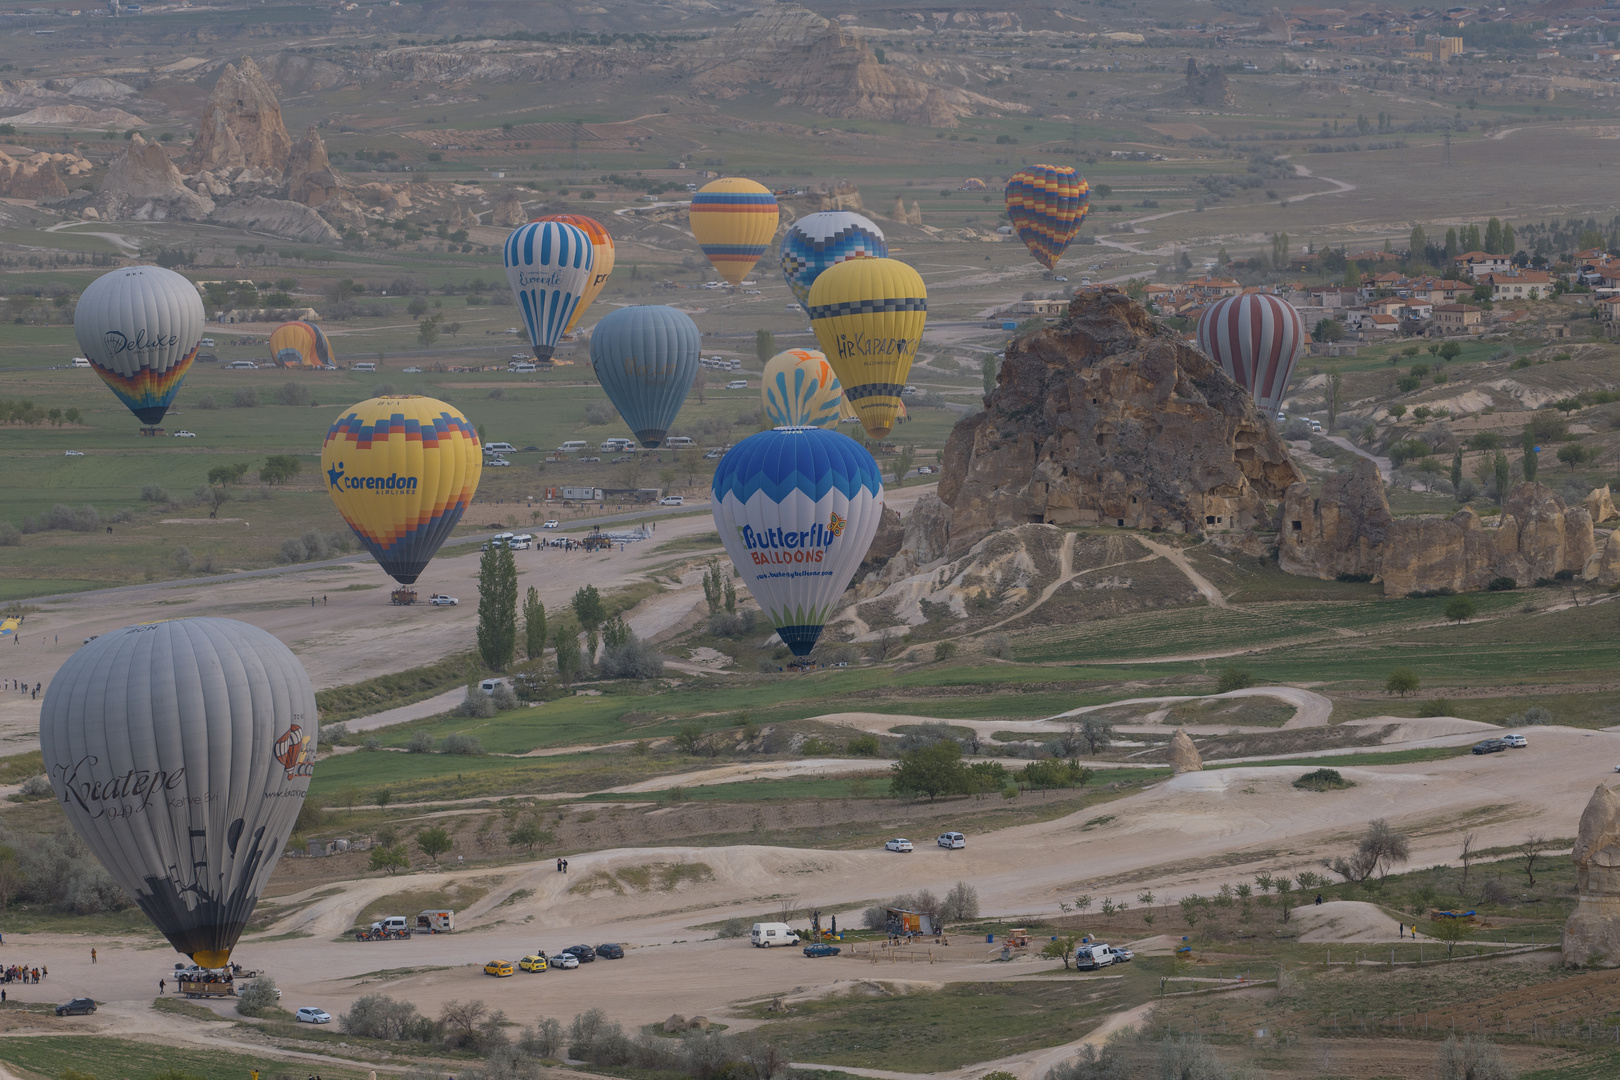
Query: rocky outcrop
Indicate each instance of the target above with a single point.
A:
(1599, 503)
(241, 125)
(1183, 755)
(310, 178)
(142, 184)
(885, 543)
(1592, 931)
(840, 196)
(279, 216)
(32, 177)
(508, 212)
(1208, 86)
(75, 116)
(1109, 419)
(1277, 27)
(924, 539)
(1341, 531)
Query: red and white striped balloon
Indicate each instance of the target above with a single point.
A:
(1256, 338)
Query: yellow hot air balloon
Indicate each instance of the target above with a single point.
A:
(799, 389)
(402, 470)
(734, 220)
(601, 266)
(868, 315)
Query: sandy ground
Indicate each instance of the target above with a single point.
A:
(1345, 920)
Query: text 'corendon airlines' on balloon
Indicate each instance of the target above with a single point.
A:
(181, 753)
(140, 328)
(796, 509)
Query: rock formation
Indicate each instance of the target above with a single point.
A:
(281, 217)
(1599, 503)
(886, 541)
(1209, 86)
(144, 185)
(1109, 419)
(241, 125)
(1592, 931)
(508, 211)
(841, 196)
(898, 213)
(1183, 755)
(33, 177)
(310, 178)
(1349, 530)
(1277, 28)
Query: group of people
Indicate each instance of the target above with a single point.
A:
(22, 973)
(24, 688)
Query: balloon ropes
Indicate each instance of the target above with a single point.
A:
(300, 344)
(549, 265)
(796, 509)
(402, 470)
(868, 315)
(734, 220)
(799, 389)
(602, 266)
(1046, 204)
(181, 753)
(817, 241)
(646, 358)
(1257, 339)
(140, 328)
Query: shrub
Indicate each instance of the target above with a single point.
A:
(1471, 1058)
(206, 403)
(635, 659)
(960, 904)
(334, 734)
(463, 745)
(733, 928)
(598, 412)
(293, 393)
(1297, 428)
(63, 516)
(153, 493)
(422, 741)
(477, 704)
(59, 872)
(313, 546)
(377, 1016)
(504, 697)
(1534, 716)
(1402, 681)
(546, 1038)
(998, 646)
(245, 398)
(944, 650)
(1233, 679)
(10, 535)
(866, 745)
(732, 624)
(257, 997)
(1502, 584)
(34, 788)
(1435, 707)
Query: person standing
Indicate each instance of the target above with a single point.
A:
(92, 956)
(162, 985)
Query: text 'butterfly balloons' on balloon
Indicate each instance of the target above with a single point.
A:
(817, 241)
(868, 315)
(734, 220)
(799, 389)
(1046, 205)
(1257, 339)
(797, 509)
(602, 265)
(140, 328)
(549, 266)
(402, 470)
(181, 753)
(646, 358)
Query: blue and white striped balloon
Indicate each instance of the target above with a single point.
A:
(796, 509)
(548, 265)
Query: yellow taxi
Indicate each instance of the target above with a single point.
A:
(533, 963)
(501, 969)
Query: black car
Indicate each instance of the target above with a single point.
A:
(584, 952)
(1490, 746)
(77, 1007)
(610, 951)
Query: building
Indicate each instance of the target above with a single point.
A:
(1476, 263)
(1608, 309)
(1522, 285)
(1459, 318)
(1447, 47)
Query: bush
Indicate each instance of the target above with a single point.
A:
(944, 650)
(59, 871)
(866, 745)
(422, 741)
(1323, 780)
(334, 734)
(504, 697)
(960, 904)
(1472, 1058)
(10, 535)
(1402, 681)
(314, 546)
(294, 394)
(1502, 584)
(246, 398)
(1297, 428)
(477, 704)
(34, 788)
(206, 403)
(257, 997)
(153, 493)
(377, 1016)
(1093, 1064)
(63, 516)
(1534, 716)
(463, 745)
(1435, 707)
(1233, 679)
(733, 928)
(998, 646)
(1460, 609)
(635, 659)
(598, 413)
(546, 1038)
(732, 625)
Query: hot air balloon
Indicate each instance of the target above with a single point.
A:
(181, 752)
(868, 315)
(646, 358)
(140, 327)
(817, 241)
(734, 220)
(549, 265)
(799, 389)
(402, 470)
(300, 344)
(602, 246)
(797, 508)
(1046, 204)
(1257, 339)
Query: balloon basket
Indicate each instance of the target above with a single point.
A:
(151, 431)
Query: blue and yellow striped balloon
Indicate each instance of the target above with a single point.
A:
(800, 390)
(734, 220)
(1046, 205)
(549, 265)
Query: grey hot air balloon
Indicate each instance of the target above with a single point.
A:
(140, 327)
(181, 752)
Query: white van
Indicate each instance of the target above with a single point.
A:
(81, 361)
(488, 686)
(572, 446)
(767, 934)
(393, 924)
(499, 448)
(526, 368)
(241, 365)
(365, 365)
(207, 343)
(616, 446)
(1092, 957)
(737, 384)
(679, 442)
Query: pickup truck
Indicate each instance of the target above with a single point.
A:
(441, 600)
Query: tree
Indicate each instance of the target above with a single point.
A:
(1335, 383)
(1499, 469)
(1279, 250)
(382, 797)
(256, 997)
(280, 468)
(1417, 241)
(1233, 679)
(1531, 849)
(764, 345)
(528, 834)
(1452, 250)
(902, 463)
(433, 842)
(1451, 931)
(1459, 609)
(1531, 460)
(390, 858)
(1380, 848)
(1493, 237)
(11, 875)
(1397, 411)
(1468, 855)
(589, 609)
(1573, 454)
(1456, 469)
(987, 372)
(1450, 351)
(1402, 681)
(1472, 1058)
(497, 607)
(427, 331)
(212, 496)
(1059, 948)
(565, 642)
(416, 308)
(1328, 330)
(714, 586)
(1097, 732)
(932, 770)
(534, 625)
(226, 475)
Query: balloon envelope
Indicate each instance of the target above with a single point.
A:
(1046, 205)
(1257, 339)
(181, 752)
(734, 220)
(797, 509)
(800, 390)
(300, 344)
(140, 327)
(402, 471)
(868, 315)
(817, 241)
(549, 265)
(646, 357)
(602, 249)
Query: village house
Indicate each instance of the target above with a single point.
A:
(1476, 263)
(1459, 319)
(1520, 285)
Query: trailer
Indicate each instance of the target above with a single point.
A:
(403, 597)
(436, 922)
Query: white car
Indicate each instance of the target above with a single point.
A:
(672, 500)
(441, 600)
(242, 365)
(1516, 742)
(908, 391)
(411, 371)
(552, 524)
(309, 1014)
(737, 384)
(73, 453)
(565, 961)
(185, 434)
(496, 463)
(898, 844)
(952, 840)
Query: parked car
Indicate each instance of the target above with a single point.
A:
(499, 448)
(737, 384)
(1121, 956)
(496, 463)
(583, 953)
(185, 434)
(1515, 742)
(952, 840)
(610, 951)
(501, 969)
(411, 371)
(565, 960)
(1490, 746)
(77, 1007)
(672, 500)
(821, 949)
(552, 524)
(73, 453)
(908, 391)
(309, 1014)
(441, 600)
(595, 460)
(926, 470)
(244, 365)
(898, 844)
(533, 963)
